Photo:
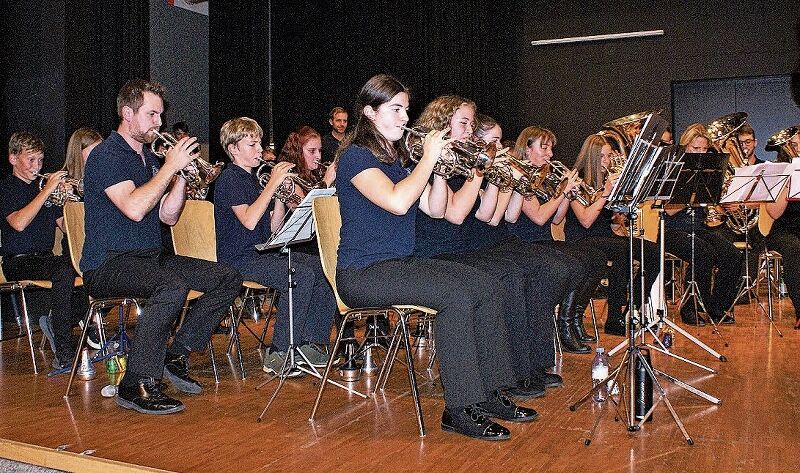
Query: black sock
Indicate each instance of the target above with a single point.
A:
(177, 349)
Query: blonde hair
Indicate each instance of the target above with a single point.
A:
(693, 131)
(440, 111)
(236, 129)
(589, 160)
(24, 140)
(81, 139)
(528, 137)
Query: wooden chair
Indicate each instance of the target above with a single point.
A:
(19, 288)
(328, 221)
(74, 217)
(194, 235)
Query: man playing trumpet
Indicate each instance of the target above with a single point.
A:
(28, 235)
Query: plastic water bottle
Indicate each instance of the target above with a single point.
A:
(599, 373)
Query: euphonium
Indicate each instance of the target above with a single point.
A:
(68, 190)
(782, 141)
(198, 174)
(287, 190)
(723, 132)
(553, 175)
(458, 160)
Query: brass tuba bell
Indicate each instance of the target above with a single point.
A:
(782, 141)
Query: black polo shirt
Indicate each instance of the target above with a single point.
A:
(528, 230)
(39, 235)
(108, 230)
(235, 242)
(329, 146)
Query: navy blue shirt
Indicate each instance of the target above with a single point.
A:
(437, 236)
(526, 229)
(39, 235)
(573, 230)
(235, 242)
(789, 221)
(370, 234)
(108, 230)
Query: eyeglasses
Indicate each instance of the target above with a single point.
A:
(747, 142)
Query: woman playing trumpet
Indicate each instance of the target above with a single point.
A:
(531, 220)
(303, 148)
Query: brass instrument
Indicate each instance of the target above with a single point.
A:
(553, 175)
(501, 175)
(619, 129)
(458, 160)
(198, 174)
(287, 190)
(68, 190)
(723, 132)
(781, 141)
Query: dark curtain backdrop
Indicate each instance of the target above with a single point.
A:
(63, 62)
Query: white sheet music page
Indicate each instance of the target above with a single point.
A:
(793, 169)
(757, 183)
(299, 226)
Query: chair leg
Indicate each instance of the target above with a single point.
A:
(27, 321)
(81, 343)
(594, 321)
(556, 339)
(213, 360)
(391, 356)
(236, 340)
(235, 320)
(326, 374)
(412, 375)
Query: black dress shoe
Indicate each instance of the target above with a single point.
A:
(502, 407)
(615, 326)
(723, 318)
(528, 388)
(691, 317)
(473, 422)
(147, 397)
(549, 380)
(176, 371)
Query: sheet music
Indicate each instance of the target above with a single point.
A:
(300, 226)
(793, 169)
(757, 183)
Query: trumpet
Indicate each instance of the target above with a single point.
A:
(458, 160)
(68, 190)
(287, 190)
(198, 174)
(501, 175)
(552, 182)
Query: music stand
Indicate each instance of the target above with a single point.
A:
(627, 194)
(297, 228)
(761, 183)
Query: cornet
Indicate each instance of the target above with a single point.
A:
(458, 160)
(68, 189)
(552, 182)
(198, 174)
(286, 191)
(501, 175)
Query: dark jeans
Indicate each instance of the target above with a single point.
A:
(165, 280)
(314, 302)
(68, 303)
(617, 250)
(788, 245)
(470, 334)
(711, 249)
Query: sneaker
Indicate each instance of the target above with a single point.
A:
(274, 361)
(46, 326)
(176, 371)
(504, 408)
(472, 421)
(92, 337)
(147, 397)
(317, 356)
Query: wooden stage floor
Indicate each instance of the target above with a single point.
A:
(751, 431)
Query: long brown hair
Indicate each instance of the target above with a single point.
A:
(81, 139)
(590, 162)
(292, 150)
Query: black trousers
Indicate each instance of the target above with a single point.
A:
(617, 250)
(470, 330)
(756, 240)
(314, 302)
(165, 280)
(711, 249)
(592, 260)
(788, 245)
(68, 304)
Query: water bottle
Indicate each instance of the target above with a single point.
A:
(599, 373)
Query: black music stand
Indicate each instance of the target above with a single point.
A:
(757, 184)
(297, 228)
(628, 193)
(699, 185)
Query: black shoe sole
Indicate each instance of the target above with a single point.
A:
(525, 397)
(132, 405)
(181, 385)
(448, 428)
(513, 419)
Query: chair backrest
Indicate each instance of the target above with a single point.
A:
(557, 230)
(765, 221)
(328, 221)
(2, 276)
(74, 217)
(195, 233)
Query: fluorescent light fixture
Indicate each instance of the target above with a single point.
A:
(597, 37)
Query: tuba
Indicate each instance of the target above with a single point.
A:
(287, 190)
(458, 160)
(198, 174)
(69, 190)
(621, 131)
(782, 142)
(723, 132)
(551, 182)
